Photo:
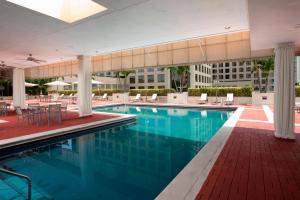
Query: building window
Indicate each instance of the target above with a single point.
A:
(160, 78)
(241, 70)
(196, 67)
(220, 64)
(233, 76)
(233, 70)
(241, 76)
(215, 71)
(226, 70)
(248, 63)
(160, 69)
(161, 87)
(233, 64)
(141, 87)
(248, 75)
(214, 77)
(132, 79)
(227, 76)
(140, 70)
(196, 77)
(214, 66)
(242, 63)
(220, 70)
(141, 79)
(150, 78)
(150, 87)
(132, 88)
(150, 69)
(248, 69)
(220, 76)
(227, 64)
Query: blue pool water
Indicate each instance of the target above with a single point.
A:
(124, 161)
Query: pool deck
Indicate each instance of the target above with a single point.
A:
(254, 164)
(248, 162)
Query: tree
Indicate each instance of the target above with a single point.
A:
(257, 68)
(179, 74)
(124, 74)
(263, 67)
(267, 67)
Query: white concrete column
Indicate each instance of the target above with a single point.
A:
(84, 88)
(19, 87)
(284, 97)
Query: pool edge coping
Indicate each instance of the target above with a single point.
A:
(187, 184)
(34, 137)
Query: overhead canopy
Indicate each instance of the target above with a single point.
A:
(57, 83)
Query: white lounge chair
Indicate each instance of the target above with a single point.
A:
(153, 98)
(104, 97)
(137, 98)
(229, 99)
(203, 98)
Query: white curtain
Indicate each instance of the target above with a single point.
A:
(84, 86)
(19, 87)
(284, 115)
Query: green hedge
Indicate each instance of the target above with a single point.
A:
(297, 91)
(222, 91)
(96, 91)
(149, 92)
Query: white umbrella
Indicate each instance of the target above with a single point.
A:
(57, 83)
(30, 84)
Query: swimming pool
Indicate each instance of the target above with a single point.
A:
(124, 161)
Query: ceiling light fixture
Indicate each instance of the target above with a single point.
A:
(65, 10)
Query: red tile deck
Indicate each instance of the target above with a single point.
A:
(15, 129)
(255, 165)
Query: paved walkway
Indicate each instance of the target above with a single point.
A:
(254, 164)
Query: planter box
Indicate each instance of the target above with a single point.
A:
(120, 97)
(262, 98)
(178, 98)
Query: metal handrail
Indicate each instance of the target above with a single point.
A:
(29, 183)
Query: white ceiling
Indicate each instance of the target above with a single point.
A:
(273, 21)
(126, 24)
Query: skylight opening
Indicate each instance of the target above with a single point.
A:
(66, 10)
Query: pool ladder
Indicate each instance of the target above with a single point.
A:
(26, 178)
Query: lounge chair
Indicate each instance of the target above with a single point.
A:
(104, 97)
(203, 98)
(153, 98)
(297, 106)
(60, 97)
(229, 99)
(137, 98)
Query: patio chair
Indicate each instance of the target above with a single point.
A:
(137, 98)
(54, 111)
(3, 109)
(64, 108)
(229, 99)
(153, 98)
(203, 98)
(21, 113)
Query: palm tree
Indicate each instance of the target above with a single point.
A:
(257, 68)
(182, 72)
(263, 67)
(173, 71)
(267, 67)
(124, 74)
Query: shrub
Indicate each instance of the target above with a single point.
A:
(297, 91)
(150, 92)
(222, 91)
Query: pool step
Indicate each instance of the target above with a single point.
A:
(16, 188)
